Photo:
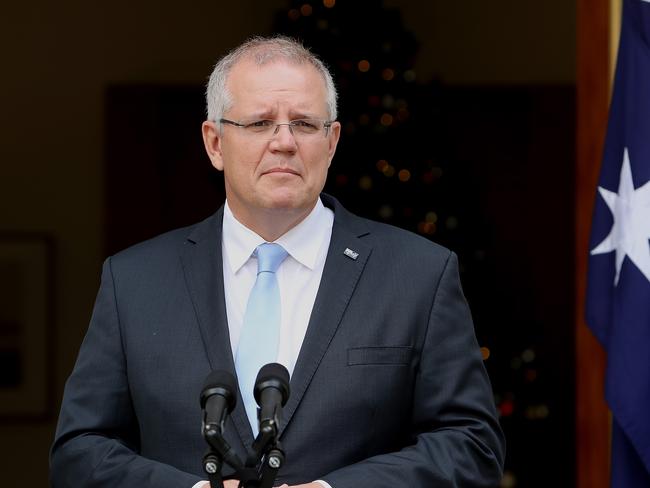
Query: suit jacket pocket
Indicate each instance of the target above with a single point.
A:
(379, 355)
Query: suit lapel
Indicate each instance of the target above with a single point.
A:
(346, 259)
(203, 268)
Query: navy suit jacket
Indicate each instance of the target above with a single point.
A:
(388, 390)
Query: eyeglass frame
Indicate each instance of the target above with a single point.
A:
(327, 124)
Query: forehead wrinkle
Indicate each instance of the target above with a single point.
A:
(300, 109)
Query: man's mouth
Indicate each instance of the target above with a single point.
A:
(281, 170)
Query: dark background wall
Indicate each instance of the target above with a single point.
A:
(489, 59)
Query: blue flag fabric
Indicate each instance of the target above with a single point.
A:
(618, 291)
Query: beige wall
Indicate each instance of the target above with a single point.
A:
(58, 57)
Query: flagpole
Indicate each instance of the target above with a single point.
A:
(594, 61)
(615, 16)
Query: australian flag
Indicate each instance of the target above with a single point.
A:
(618, 292)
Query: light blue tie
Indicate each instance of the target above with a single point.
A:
(260, 336)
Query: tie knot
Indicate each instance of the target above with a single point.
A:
(269, 257)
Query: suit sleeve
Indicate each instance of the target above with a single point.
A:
(458, 441)
(97, 440)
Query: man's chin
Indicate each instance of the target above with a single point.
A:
(285, 204)
(289, 200)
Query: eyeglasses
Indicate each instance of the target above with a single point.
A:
(299, 128)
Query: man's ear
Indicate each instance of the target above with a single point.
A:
(333, 136)
(212, 143)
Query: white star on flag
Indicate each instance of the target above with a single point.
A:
(631, 230)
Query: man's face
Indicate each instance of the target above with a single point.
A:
(276, 172)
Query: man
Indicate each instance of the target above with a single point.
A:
(387, 383)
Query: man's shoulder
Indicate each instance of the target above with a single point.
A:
(383, 234)
(399, 241)
(386, 238)
(169, 244)
(402, 254)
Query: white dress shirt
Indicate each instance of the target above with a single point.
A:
(298, 277)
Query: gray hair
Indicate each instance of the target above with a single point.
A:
(262, 50)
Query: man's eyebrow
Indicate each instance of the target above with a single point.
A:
(260, 114)
(269, 115)
(303, 115)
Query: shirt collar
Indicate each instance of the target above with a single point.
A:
(302, 242)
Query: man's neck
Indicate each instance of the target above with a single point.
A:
(270, 224)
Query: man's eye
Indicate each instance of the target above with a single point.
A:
(259, 124)
(305, 124)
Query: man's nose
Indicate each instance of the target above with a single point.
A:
(283, 138)
(277, 128)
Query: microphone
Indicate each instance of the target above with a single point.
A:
(271, 394)
(218, 399)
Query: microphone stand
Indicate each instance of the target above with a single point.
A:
(219, 452)
(266, 455)
(212, 464)
(264, 460)
(267, 450)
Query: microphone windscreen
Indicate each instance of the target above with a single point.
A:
(222, 383)
(273, 370)
(273, 375)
